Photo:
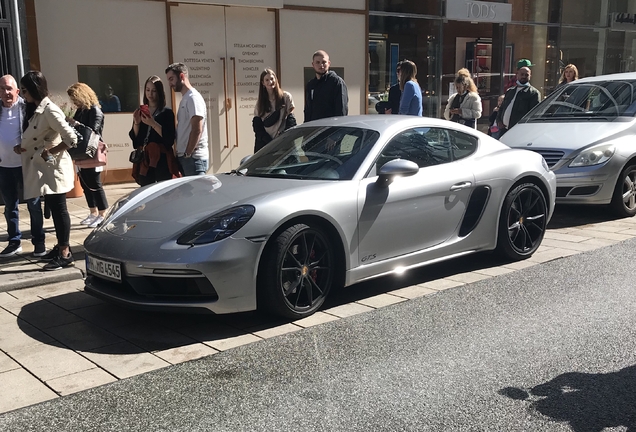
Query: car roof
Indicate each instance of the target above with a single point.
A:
(382, 123)
(610, 77)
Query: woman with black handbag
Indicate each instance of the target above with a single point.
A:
(47, 168)
(89, 114)
(273, 112)
(153, 135)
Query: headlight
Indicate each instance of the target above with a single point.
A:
(593, 156)
(218, 226)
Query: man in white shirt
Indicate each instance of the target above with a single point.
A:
(192, 133)
(518, 100)
(12, 112)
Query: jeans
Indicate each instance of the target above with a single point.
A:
(61, 218)
(93, 190)
(10, 186)
(192, 166)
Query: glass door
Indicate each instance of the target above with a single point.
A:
(225, 49)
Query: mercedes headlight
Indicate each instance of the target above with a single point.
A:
(218, 226)
(593, 156)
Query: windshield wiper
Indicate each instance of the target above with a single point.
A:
(238, 173)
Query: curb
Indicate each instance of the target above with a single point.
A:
(42, 278)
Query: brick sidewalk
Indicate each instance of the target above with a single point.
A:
(56, 340)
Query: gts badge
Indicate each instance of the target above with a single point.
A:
(368, 258)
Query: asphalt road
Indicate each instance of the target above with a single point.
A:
(551, 347)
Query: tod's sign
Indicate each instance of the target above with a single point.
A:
(467, 10)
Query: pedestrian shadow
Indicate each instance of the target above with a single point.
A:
(588, 402)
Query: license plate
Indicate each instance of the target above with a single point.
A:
(107, 269)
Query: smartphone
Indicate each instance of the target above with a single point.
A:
(144, 109)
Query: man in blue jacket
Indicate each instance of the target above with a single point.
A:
(12, 112)
(326, 94)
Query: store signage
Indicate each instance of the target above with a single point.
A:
(274, 4)
(478, 11)
(623, 21)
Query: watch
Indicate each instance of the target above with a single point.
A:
(187, 155)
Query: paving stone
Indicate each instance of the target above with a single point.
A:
(6, 363)
(580, 247)
(277, 331)
(43, 314)
(19, 334)
(49, 361)
(567, 237)
(600, 242)
(79, 381)
(605, 235)
(20, 389)
(49, 290)
(107, 315)
(185, 353)
(315, 319)
(347, 310)
(469, 277)
(413, 291)
(495, 271)
(124, 360)
(442, 284)
(227, 343)
(152, 338)
(551, 255)
(83, 336)
(74, 300)
(380, 300)
(518, 265)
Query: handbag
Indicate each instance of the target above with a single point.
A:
(100, 158)
(87, 143)
(138, 154)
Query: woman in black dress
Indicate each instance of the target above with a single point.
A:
(153, 130)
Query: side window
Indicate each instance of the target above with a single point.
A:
(462, 144)
(424, 146)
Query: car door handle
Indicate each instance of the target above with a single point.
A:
(459, 186)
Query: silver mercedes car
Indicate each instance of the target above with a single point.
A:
(328, 204)
(586, 131)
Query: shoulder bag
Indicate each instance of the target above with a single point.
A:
(138, 154)
(87, 143)
(100, 158)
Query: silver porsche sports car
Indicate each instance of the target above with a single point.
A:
(328, 204)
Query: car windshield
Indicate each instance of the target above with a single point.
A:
(602, 100)
(316, 153)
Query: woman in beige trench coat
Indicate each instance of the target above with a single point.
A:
(47, 168)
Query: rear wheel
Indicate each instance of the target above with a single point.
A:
(624, 199)
(298, 273)
(522, 223)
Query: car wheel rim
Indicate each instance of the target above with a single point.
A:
(526, 221)
(306, 271)
(629, 191)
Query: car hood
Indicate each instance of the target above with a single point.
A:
(167, 208)
(566, 136)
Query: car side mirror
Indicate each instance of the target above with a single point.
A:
(396, 168)
(245, 159)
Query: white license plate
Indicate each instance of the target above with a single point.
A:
(107, 269)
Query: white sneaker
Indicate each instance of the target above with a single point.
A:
(98, 220)
(89, 219)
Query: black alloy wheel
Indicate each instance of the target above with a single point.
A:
(523, 222)
(624, 198)
(299, 272)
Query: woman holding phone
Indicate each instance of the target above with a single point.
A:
(153, 130)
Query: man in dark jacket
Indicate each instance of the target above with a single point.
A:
(326, 94)
(518, 101)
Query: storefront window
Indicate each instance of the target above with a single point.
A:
(428, 7)
(621, 52)
(583, 48)
(584, 12)
(117, 87)
(539, 45)
(536, 11)
(392, 39)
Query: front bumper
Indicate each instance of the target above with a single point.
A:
(218, 277)
(588, 185)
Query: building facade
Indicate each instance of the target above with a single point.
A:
(114, 45)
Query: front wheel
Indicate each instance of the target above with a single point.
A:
(522, 223)
(624, 198)
(298, 273)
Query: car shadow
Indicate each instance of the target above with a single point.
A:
(588, 402)
(84, 323)
(569, 216)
